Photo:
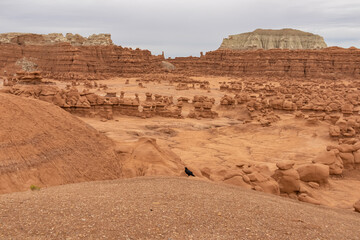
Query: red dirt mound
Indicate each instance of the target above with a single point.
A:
(43, 145)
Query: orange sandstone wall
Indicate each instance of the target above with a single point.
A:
(329, 63)
(64, 61)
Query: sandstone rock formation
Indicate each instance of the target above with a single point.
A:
(333, 160)
(258, 178)
(202, 108)
(89, 104)
(73, 56)
(314, 173)
(270, 39)
(146, 158)
(329, 63)
(167, 66)
(26, 65)
(55, 38)
(287, 177)
(26, 78)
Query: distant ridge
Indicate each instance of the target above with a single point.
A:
(269, 39)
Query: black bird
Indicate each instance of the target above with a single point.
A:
(188, 172)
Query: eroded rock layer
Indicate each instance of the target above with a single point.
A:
(328, 63)
(54, 38)
(95, 57)
(269, 39)
(65, 61)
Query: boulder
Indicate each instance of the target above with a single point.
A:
(348, 159)
(314, 173)
(344, 148)
(167, 66)
(357, 157)
(357, 206)
(334, 131)
(285, 165)
(288, 180)
(332, 159)
(257, 177)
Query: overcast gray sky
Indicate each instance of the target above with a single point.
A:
(182, 27)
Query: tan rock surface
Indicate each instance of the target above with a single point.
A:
(54, 38)
(269, 39)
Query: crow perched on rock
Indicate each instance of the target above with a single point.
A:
(188, 172)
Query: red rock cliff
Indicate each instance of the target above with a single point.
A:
(74, 57)
(330, 63)
(65, 61)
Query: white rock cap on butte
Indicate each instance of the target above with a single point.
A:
(270, 39)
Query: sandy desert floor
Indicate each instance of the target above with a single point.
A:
(166, 208)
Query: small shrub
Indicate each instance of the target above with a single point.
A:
(33, 188)
(140, 171)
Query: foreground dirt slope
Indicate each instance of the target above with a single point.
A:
(166, 208)
(41, 144)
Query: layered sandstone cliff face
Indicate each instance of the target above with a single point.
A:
(65, 61)
(54, 38)
(72, 56)
(269, 39)
(328, 63)
(92, 58)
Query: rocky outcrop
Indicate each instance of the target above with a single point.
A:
(329, 63)
(332, 159)
(95, 57)
(269, 39)
(202, 108)
(65, 61)
(89, 104)
(54, 38)
(318, 173)
(146, 158)
(340, 157)
(287, 177)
